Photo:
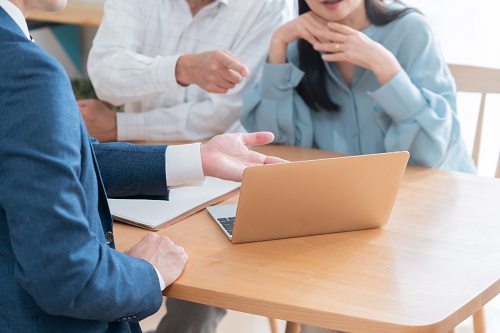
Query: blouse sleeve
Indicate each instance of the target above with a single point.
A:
(421, 101)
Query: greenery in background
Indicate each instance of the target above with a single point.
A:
(83, 89)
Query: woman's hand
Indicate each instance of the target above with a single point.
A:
(342, 43)
(307, 26)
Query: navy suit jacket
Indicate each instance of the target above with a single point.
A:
(57, 273)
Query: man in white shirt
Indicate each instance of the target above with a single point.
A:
(180, 67)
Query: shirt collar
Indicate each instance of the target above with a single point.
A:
(16, 14)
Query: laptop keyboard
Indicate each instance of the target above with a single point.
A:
(227, 223)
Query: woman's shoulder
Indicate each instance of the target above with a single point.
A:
(410, 28)
(413, 21)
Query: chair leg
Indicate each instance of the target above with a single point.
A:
(274, 325)
(479, 321)
(292, 327)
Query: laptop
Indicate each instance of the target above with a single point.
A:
(313, 197)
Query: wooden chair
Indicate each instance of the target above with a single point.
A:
(483, 81)
(479, 80)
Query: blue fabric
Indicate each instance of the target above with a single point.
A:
(415, 111)
(57, 274)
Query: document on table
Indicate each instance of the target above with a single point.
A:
(184, 201)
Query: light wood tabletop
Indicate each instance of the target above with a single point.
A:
(433, 265)
(79, 13)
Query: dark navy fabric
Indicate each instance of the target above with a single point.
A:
(57, 274)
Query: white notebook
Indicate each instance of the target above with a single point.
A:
(184, 201)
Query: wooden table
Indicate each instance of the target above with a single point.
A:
(435, 263)
(79, 13)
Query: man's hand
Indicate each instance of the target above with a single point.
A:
(99, 119)
(214, 71)
(225, 156)
(168, 258)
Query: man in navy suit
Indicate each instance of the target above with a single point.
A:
(59, 270)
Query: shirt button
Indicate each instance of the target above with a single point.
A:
(109, 237)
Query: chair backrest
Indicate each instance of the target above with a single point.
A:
(477, 80)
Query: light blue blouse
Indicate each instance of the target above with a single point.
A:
(414, 111)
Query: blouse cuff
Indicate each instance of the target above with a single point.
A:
(279, 77)
(399, 98)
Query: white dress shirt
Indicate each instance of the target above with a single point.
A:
(16, 15)
(135, 51)
(184, 166)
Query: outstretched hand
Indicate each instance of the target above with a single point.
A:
(225, 156)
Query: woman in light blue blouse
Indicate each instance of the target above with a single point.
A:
(360, 77)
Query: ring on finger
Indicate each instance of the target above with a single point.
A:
(337, 47)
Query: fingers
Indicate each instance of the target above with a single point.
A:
(316, 28)
(309, 30)
(274, 160)
(333, 38)
(229, 79)
(168, 258)
(330, 47)
(225, 72)
(232, 73)
(341, 28)
(216, 89)
(175, 248)
(257, 138)
(136, 250)
(231, 63)
(330, 37)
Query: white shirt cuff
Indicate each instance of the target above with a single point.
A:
(162, 282)
(166, 78)
(183, 165)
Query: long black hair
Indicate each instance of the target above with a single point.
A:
(312, 88)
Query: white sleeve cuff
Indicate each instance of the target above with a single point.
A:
(165, 78)
(162, 282)
(183, 165)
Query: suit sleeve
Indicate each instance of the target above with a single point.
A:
(132, 171)
(60, 258)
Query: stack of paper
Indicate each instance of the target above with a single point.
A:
(184, 201)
